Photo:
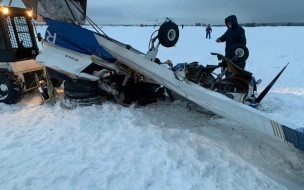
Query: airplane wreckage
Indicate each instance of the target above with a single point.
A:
(93, 65)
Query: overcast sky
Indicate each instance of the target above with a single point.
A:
(192, 11)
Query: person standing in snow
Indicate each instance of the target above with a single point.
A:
(235, 34)
(208, 31)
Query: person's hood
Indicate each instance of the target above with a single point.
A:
(233, 20)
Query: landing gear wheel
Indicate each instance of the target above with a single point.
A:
(11, 88)
(240, 50)
(168, 34)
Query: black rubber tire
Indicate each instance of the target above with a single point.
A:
(56, 82)
(11, 88)
(168, 34)
(239, 47)
(81, 86)
(73, 103)
(81, 95)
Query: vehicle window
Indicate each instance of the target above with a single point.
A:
(11, 32)
(23, 32)
(23, 38)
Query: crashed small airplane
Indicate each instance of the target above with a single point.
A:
(93, 65)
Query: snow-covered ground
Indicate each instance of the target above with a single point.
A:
(161, 146)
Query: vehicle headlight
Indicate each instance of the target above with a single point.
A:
(30, 13)
(4, 10)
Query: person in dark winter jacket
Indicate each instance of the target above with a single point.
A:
(235, 34)
(208, 31)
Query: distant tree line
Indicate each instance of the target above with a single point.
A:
(253, 24)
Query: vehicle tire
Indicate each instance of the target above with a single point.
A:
(56, 82)
(81, 95)
(81, 85)
(168, 34)
(239, 49)
(11, 88)
(73, 103)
